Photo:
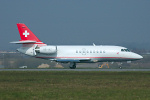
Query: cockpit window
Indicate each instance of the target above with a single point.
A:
(125, 50)
(122, 49)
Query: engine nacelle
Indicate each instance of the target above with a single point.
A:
(46, 49)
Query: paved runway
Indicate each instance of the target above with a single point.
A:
(115, 70)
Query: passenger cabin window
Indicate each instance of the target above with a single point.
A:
(93, 51)
(98, 51)
(76, 51)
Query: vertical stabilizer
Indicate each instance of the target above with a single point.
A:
(26, 33)
(27, 36)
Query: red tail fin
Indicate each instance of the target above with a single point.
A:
(26, 34)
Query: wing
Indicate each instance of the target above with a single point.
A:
(77, 60)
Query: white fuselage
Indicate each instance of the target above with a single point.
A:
(89, 54)
(32, 46)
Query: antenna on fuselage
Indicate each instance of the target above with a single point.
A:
(94, 44)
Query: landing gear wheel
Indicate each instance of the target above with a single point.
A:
(72, 65)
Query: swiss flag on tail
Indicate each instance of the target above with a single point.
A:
(27, 37)
(26, 33)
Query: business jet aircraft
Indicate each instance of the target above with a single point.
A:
(32, 46)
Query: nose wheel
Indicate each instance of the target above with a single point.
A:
(72, 65)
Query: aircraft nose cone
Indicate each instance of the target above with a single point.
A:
(138, 56)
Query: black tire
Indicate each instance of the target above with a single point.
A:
(74, 67)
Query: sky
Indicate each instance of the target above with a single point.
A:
(77, 22)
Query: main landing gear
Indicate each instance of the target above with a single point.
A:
(72, 65)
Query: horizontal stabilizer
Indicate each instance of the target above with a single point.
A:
(22, 42)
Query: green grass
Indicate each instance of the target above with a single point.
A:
(65, 85)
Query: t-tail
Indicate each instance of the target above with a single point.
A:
(27, 36)
(28, 40)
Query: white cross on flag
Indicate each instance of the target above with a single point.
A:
(26, 33)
